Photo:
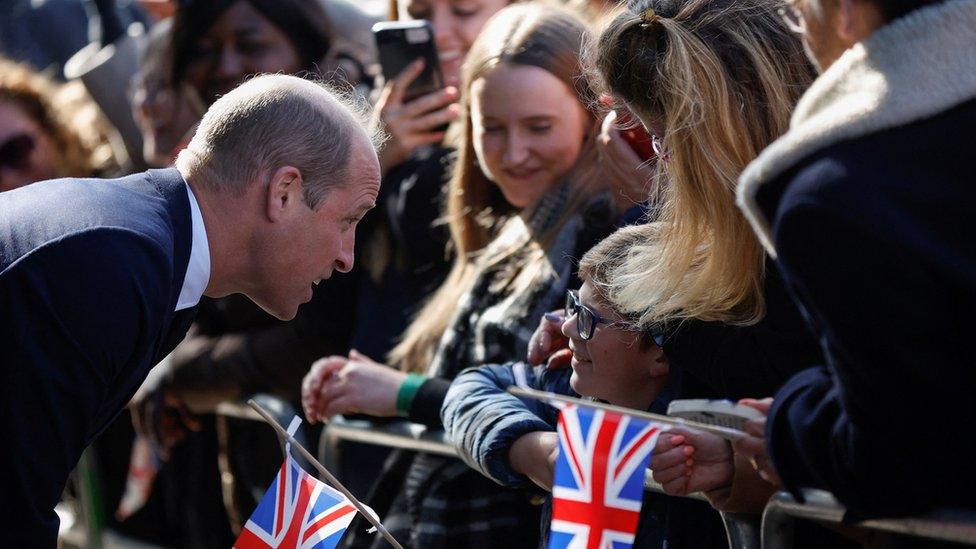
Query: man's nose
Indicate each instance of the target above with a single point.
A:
(346, 258)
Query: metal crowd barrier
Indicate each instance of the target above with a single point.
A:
(951, 525)
(742, 530)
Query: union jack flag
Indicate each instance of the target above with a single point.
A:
(297, 512)
(599, 480)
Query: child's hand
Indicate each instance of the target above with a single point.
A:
(534, 455)
(686, 461)
(548, 338)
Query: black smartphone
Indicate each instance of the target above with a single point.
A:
(399, 44)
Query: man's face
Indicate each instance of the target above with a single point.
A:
(312, 244)
(830, 30)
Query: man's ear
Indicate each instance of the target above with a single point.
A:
(285, 192)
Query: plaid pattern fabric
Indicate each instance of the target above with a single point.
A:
(440, 502)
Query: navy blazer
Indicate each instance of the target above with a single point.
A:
(90, 273)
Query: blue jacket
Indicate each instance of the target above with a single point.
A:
(870, 214)
(484, 420)
(90, 273)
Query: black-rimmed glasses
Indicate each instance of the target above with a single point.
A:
(586, 318)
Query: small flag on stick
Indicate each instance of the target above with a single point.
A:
(599, 479)
(298, 511)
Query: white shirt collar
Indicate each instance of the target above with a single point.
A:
(198, 270)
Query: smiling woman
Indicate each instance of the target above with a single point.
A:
(523, 199)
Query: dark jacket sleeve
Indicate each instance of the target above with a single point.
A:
(76, 333)
(895, 369)
(483, 420)
(426, 406)
(744, 361)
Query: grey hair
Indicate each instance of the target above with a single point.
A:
(274, 121)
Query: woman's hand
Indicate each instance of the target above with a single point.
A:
(686, 461)
(753, 446)
(354, 385)
(414, 124)
(534, 455)
(631, 175)
(548, 341)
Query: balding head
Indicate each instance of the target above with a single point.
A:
(274, 121)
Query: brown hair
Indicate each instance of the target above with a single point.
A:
(539, 35)
(39, 98)
(723, 76)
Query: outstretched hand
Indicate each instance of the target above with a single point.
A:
(346, 385)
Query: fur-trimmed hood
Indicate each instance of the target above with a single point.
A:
(914, 68)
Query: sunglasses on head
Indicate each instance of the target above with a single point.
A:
(15, 152)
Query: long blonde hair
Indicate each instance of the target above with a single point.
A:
(723, 76)
(486, 231)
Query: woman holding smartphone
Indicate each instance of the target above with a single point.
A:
(414, 124)
(403, 249)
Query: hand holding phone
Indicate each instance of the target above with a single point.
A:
(414, 107)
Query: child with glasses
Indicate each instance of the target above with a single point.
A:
(513, 441)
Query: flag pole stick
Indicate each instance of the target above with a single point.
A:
(325, 472)
(724, 432)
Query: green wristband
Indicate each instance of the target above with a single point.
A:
(408, 390)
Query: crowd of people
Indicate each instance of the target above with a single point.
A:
(762, 201)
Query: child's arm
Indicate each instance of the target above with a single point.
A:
(483, 420)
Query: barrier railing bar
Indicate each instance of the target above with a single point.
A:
(956, 525)
(411, 436)
(742, 530)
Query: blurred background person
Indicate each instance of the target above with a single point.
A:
(166, 114)
(47, 131)
(45, 34)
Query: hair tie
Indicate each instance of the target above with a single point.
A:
(649, 17)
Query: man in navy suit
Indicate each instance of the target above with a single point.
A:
(99, 279)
